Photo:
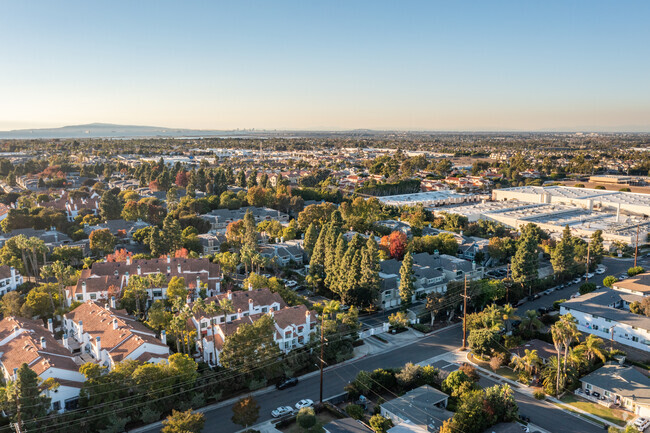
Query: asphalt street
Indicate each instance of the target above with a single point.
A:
(548, 417)
(336, 377)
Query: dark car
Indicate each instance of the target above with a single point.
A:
(287, 383)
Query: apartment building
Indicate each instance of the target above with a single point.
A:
(26, 341)
(105, 335)
(10, 279)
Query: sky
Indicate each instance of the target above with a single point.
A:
(327, 65)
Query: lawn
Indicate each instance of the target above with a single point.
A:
(616, 416)
(321, 419)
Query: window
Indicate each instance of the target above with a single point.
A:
(204, 325)
(157, 293)
(607, 394)
(265, 309)
(595, 327)
(588, 386)
(56, 405)
(80, 297)
(93, 296)
(635, 339)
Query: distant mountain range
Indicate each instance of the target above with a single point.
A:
(107, 130)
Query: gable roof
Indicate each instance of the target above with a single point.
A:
(624, 381)
(418, 406)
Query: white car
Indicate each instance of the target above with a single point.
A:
(600, 271)
(290, 283)
(304, 403)
(281, 411)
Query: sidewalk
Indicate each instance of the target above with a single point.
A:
(375, 347)
(523, 389)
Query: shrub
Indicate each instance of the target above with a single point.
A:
(380, 424)
(635, 270)
(587, 288)
(539, 394)
(355, 411)
(421, 327)
(496, 362)
(398, 320)
(306, 417)
(556, 304)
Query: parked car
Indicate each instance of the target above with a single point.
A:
(576, 280)
(600, 271)
(304, 403)
(595, 394)
(287, 383)
(290, 283)
(281, 411)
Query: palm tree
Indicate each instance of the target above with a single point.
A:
(593, 348)
(531, 321)
(528, 363)
(558, 337)
(553, 374)
(570, 334)
(508, 314)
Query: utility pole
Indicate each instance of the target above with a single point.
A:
(322, 340)
(508, 282)
(18, 423)
(465, 314)
(587, 271)
(636, 247)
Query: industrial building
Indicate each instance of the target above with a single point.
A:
(555, 217)
(429, 198)
(590, 199)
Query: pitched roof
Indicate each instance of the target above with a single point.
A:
(120, 342)
(293, 316)
(418, 406)
(624, 381)
(26, 347)
(241, 298)
(638, 283)
(597, 303)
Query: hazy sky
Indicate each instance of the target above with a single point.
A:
(439, 65)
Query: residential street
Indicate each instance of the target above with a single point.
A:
(541, 414)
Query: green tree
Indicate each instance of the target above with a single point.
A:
(102, 241)
(609, 281)
(245, 412)
(562, 257)
(407, 278)
(525, 262)
(306, 418)
(354, 410)
(184, 422)
(110, 207)
(311, 237)
(10, 304)
(597, 251)
(251, 345)
(370, 281)
(172, 235)
(379, 424)
(25, 392)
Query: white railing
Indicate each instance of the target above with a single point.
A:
(374, 331)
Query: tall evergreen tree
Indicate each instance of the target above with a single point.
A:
(241, 179)
(317, 262)
(110, 207)
(250, 231)
(252, 179)
(172, 234)
(370, 281)
(351, 279)
(525, 262)
(562, 257)
(26, 392)
(406, 287)
(311, 236)
(596, 247)
(335, 275)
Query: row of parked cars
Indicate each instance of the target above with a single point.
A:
(287, 410)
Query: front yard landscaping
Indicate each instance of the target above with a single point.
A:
(616, 416)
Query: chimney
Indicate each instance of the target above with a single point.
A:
(250, 306)
(169, 269)
(229, 294)
(13, 275)
(163, 336)
(307, 319)
(179, 268)
(126, 277)
(15, 374)
(198, 284)
(64, 341)
(50, 326)
(139, 270)
(83, 289)
(81, 330)
(250, 287)
(98, 347)
(128, 260)
(169, 259)
(16, 329)
(115, 324)
(113, 303)
(43, 344)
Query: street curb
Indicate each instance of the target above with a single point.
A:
(304, 376)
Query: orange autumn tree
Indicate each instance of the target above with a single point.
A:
(119, 256)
